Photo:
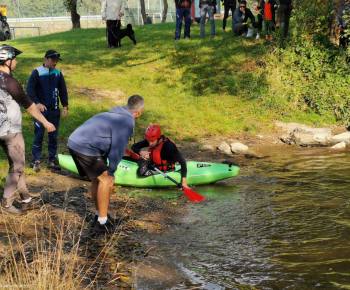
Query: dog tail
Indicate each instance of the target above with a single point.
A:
(129, 26)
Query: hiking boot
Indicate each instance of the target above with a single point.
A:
(35, 165)
(53, 164)
(33, 204)
(10, 209)
(108, 227)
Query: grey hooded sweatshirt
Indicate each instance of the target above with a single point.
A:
(106, 134)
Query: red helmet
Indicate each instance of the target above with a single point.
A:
(153, 133)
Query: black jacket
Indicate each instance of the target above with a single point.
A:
(183, 4)
(237, 16)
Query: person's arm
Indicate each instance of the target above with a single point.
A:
(172, 153)
(63, 94)
(237, 18)
(179, 158)
(34, 111)
(103, 9)
(251, 16)
(139, 145)
(31, 90)
(14, 88)
(122, 8)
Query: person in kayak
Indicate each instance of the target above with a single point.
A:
(162, 152)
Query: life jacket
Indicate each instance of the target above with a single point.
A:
(163, 165)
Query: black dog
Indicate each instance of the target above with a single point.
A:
(125, 32)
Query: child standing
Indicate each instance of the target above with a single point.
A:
(268, 19)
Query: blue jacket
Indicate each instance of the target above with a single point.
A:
(237, 16)
(106, 134)
(344, 10)
(47, 86)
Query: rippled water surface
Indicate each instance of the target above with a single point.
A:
(283, 223)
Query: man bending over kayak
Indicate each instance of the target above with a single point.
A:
(103, 136)
(162, 152)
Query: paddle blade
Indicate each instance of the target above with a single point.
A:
(192, 195)
(132, 154)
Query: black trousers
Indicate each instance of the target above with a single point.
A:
(113, 26)
(227, 10)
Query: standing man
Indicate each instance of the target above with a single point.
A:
(47, 88)
(207, 6)
(284, 10)
(183, 10)
(104, 136)
(112, 12)
(228, 5)
(342, 22)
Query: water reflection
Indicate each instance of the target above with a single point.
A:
(281, 224)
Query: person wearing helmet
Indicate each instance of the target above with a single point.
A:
(47, 88)
(162, 152)
(12, 97)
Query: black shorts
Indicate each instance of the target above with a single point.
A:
(90, 166)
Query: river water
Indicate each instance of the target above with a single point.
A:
(283, 223)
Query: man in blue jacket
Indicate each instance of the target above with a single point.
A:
(183, 10)
(240, 19)
(47, 88)
(104, 136)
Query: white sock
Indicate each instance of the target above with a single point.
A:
(27, 200)
(102, 220)
(96, 212)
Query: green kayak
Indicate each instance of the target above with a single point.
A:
(197, 173)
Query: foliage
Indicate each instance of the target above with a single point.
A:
(319, 73)
(313, 16)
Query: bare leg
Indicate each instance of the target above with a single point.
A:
(94, 187)
(103, 194)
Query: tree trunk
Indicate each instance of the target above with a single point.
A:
(334, 31)
(74, 14)
(143, 12)
(165, 11)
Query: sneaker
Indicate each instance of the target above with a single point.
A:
(224, 30)
(113, 221)
(257, 36)
(54, 165)
(271, 37)
(187, 37)
(177, 39)
(267, 37)
(107, 227)
(250, 32)
(33, 204)
(35, 165)
(12, 210)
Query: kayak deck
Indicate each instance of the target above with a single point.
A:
(197, 173)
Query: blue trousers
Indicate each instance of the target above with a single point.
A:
(180, 14)
(53, 116)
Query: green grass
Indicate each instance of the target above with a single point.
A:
(193, 89)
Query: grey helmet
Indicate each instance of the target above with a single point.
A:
(8, 52)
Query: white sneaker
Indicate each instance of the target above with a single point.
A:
(250, 32)
(257, 36)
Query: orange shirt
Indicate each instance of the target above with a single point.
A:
(268, 12)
